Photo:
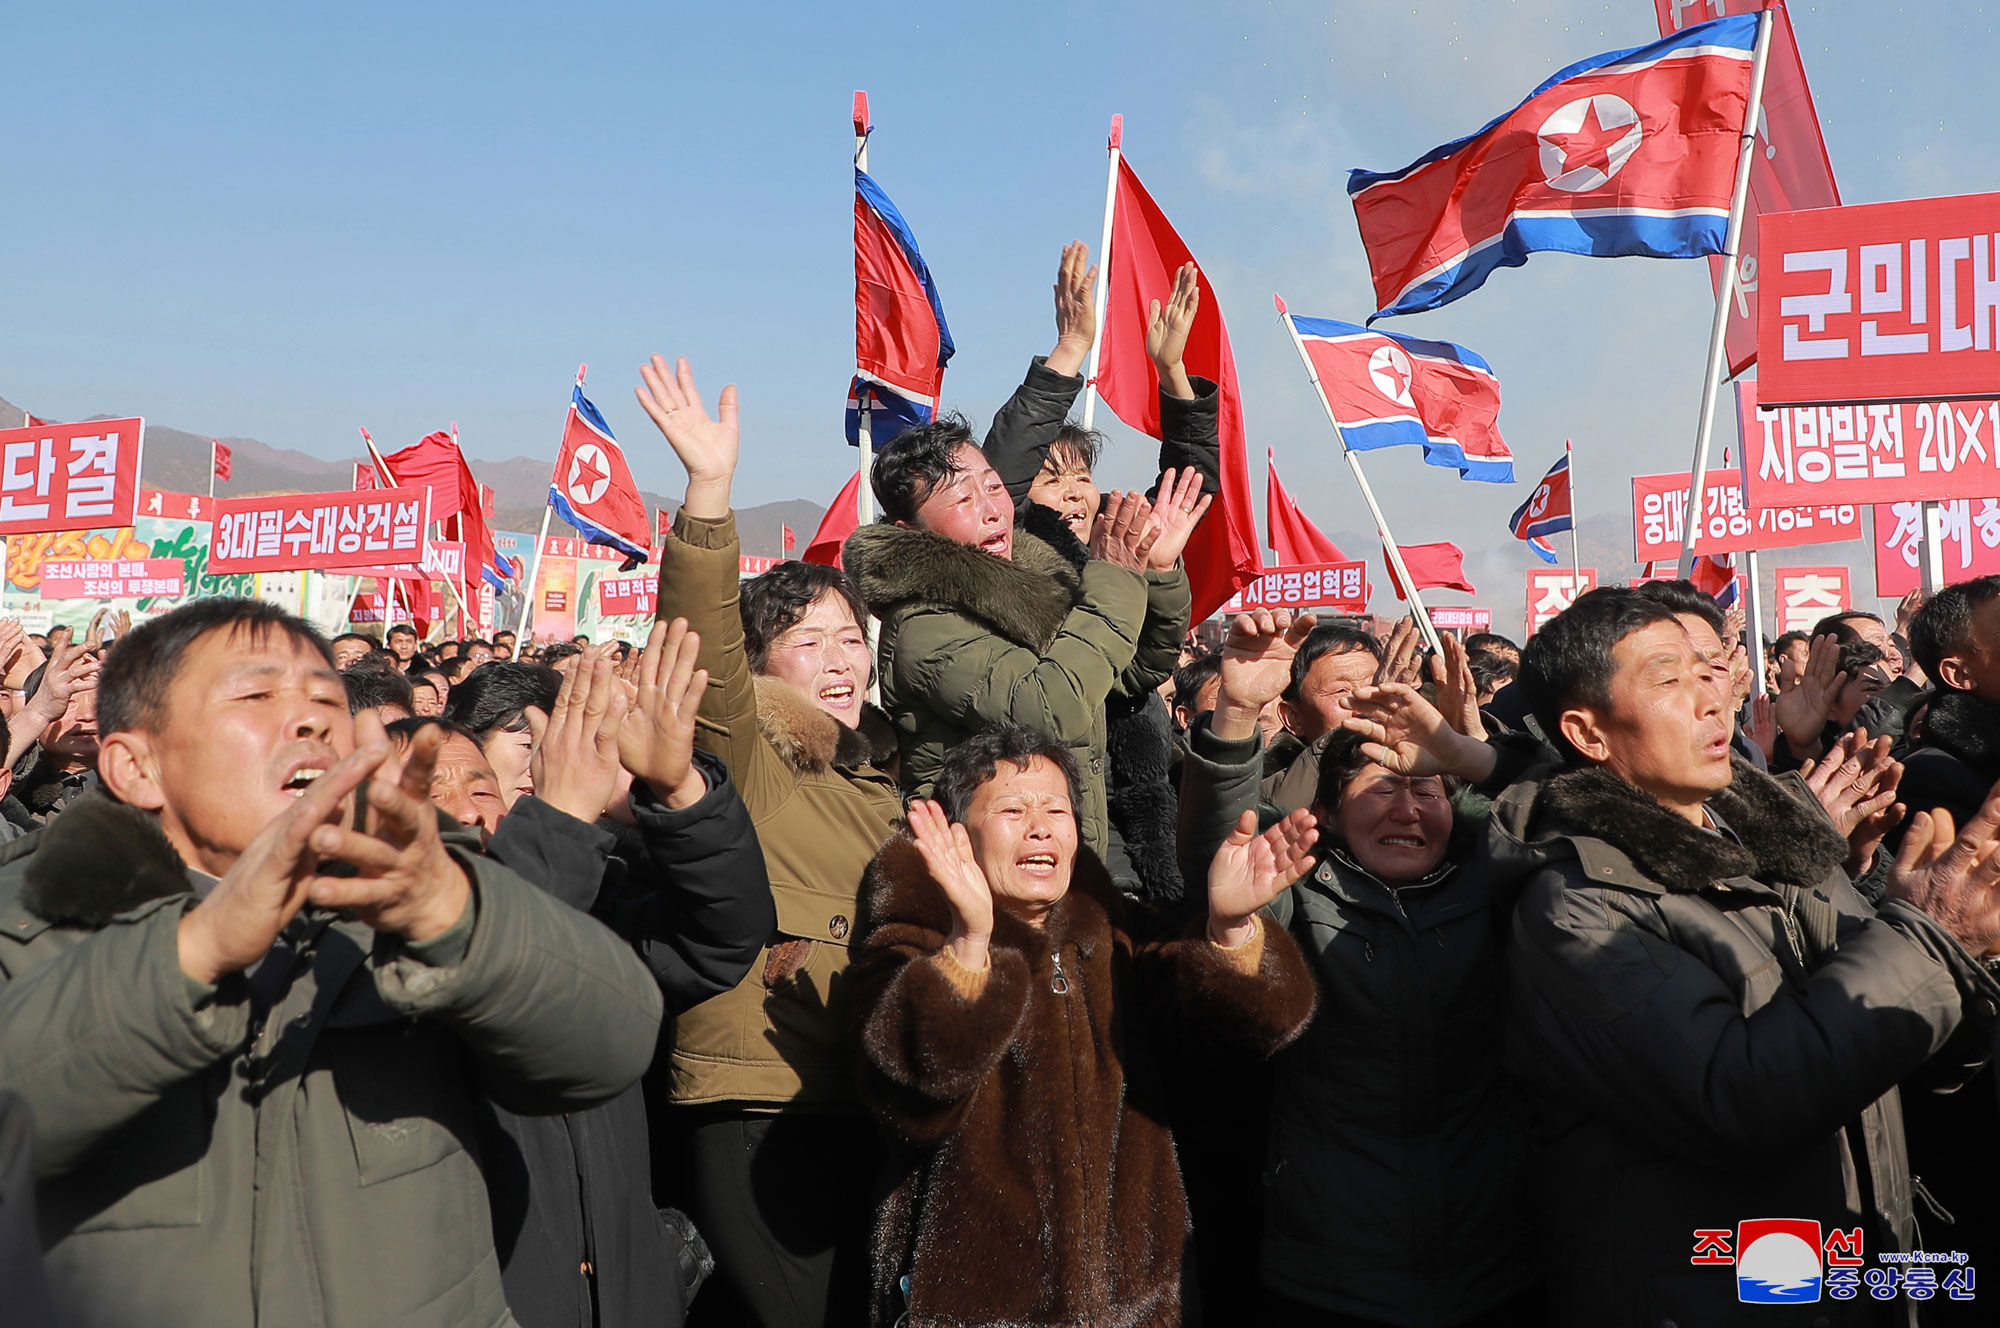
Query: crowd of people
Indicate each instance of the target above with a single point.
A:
(1087, 977)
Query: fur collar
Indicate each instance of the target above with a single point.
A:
(98, 859)
(813, 742)
(1783, 841)
(1962, 725)
(1024, 599)
(898, 889)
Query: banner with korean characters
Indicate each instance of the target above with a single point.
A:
(1729, 525)
(327, 531)
(57, 477)
(1462, 619)
(1342, 587)
(626, 595)
(1971, 542)
(1553, 589)
(147, 540)
(1807, 594)
(114, 578)
(1885, 452)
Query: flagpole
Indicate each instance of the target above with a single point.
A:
(1718, 332)
(211, 470)
(535, 569)
(1575, 559)
(382, 469)
(864, 493)
(1754, 616)
(1098, 299)
(1389, 547)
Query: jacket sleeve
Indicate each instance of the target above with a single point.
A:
(1022, 430)
(1188, 434)
(1219, 782)
(1169, 604)
(698, 581)
(1610, 1013)
(553, 850)
(703, 912)
(556, 1010)
(980, 679)
(95, 1035)
(1216, 1003)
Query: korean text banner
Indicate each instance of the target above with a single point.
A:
(113, 578)
(618, 596)
(67, 476)
(1463, 619)
(1813, 455)
(291, 531)
(1551, 590)
(1339, 586)
(1807, 594)
(1971, 543)
(1659, 508)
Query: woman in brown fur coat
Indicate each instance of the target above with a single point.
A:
(1011, 1031)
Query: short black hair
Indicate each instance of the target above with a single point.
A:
(475, 641)
(1086, 445)
(1836, 625)
(507, 632)
(915, 462)
(972, 763)
(1857, 655)
(1491, 672)
(1491, 641)
(1683, 597)
(1324, 640)
(1194, 675)
(773, 603)
(1340, 760)
(132, 688)
(376, 661)
(368, 641)
(1568, 662)
(368, 688)
(498, 694)
(1788, 640)
(1943, 625)
(400, 629)
(402, 732)
(559, 651)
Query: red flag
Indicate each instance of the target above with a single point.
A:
(36, 422)
(1295, 540)
(1441, 565)
(438, 462)
(790, 538)
(1145, 253)
(221, 456)
(840, 521)
(364, 476)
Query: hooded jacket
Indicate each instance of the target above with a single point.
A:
(1714, 1026)
(1034, 1179)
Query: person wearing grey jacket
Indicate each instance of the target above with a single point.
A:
(254, 992)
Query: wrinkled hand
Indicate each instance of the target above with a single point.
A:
(1400, 660)
(1741, 679)
(1251, 869)
(1457, 689)
(1167, 331)
(706, 447)
(575, 760)
(1955, 879)
(72, 669)
(1802, 711)
(1906, 610)
(1856, 782)
(13, 640)
(1178, 508)
(947, 851)
(1404, 734)
(93, 636)
(1125, 531)
(1764, 724)
(1076, 315)
(656, 742)
(1257, 659)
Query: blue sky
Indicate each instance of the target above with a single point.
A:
(286, 221)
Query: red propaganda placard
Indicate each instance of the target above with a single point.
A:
(69, 476)
(1813, 455)
(1971, 544)
(1462, 619)
(618, 596)
(1553, 589)
(108, 578)
(1807, 594)
(329, 531)
(443, 560)
(187, 506)
(1880, 302)
(1659, 507)
(1342, 587)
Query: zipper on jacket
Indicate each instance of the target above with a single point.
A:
(1368, 950)
(1792, 933)
(1059, 980)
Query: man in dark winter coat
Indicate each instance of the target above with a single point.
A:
(1713, 1021)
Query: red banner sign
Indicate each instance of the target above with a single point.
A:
(1342, 587)
(1880, 302)
(331, 531)
(621, 595)
(1551, 590)
(1868, 454)
(1807, 594)
(1971, 544)
(444, 560)
(109, 578)
(1659, 510)
(1465, 619)
(69, 476)
(189, 506)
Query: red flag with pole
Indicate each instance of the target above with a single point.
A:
(840, 521)
(224, 463)
(789, 538)
(1440, 565)
(1295, 540)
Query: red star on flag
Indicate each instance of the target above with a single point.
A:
(583, 473)
(1591, 144)
(1396, 376)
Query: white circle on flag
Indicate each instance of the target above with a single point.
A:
(1389, 368)
(1540, 502)
(1587, 141)
(588, 459)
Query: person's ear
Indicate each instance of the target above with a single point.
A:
(1953, 673)
(1582, 729)
(1288, 716)
(129, 769)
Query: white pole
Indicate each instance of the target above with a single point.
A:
(1718, 350)
(1930, 564)
(389, 481)
(535, 570)
(1575, 558)
(211, 470)
(1395, 554)
(864, 492)
(1754, 616)
(1116, 145)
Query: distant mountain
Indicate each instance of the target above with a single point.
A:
(178, 462)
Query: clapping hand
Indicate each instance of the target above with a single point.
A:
(1257, 659)
(656, 742)
(706, 447)
(1125, 531)
(1251, 869)
(947, 851)
(1167, 331)
(1856, 783)
(1178, 508)
(575, 761)
(1804, 709)
(1457, 689)
(1400, 662)
(1954, 879)
(1076, 315)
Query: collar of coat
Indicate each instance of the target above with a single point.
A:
(900, 890)
(1025, 598)
(813, 742)
(1961, 725)
(1784, 842)
(98, 859)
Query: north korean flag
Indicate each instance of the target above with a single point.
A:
(1386, 390)
(592, 488)
(901, 341)
(1627, 154)
(1547, 511)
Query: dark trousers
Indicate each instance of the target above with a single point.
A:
(783, 1201)
(1527, 1310)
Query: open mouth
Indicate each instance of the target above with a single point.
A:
(997, 544)
(1037, 864)
(301, 778)
(839, 695)
(1401, 841)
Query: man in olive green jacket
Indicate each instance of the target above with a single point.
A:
(255, 1039)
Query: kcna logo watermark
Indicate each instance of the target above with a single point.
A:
(1783, 1261)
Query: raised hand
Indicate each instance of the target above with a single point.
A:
(656, 742)
(1403, 733)
(947, 851)
(93, 636)
(1250, 870)
(575, 762)
(1257, 659)
(1457, 689)
(1125, 531)
(1802, 711)
(1955, 879)
(1764, 724)
(71, 669)
(1741, 679)
(1178, 507)
(1400, 662)
(13, 639)
(1167, 331)
(707, 447)
(1856, 782)
(1076, 315)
